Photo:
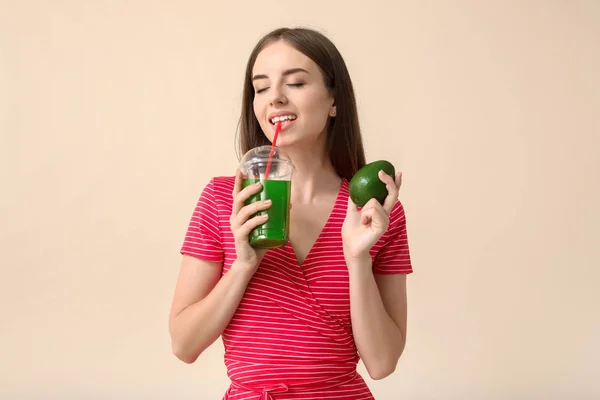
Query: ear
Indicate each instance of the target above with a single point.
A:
(333, 110)
(332, 96)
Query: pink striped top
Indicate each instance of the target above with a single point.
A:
(291, 336)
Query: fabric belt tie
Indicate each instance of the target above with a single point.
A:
(264, 391)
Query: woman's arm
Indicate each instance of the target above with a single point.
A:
(203, 304)
(377, 301)
(378, 309)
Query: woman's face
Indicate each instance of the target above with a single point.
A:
(289, 85)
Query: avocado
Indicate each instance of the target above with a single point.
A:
(365, 184)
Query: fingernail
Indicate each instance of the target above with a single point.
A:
(267, 202)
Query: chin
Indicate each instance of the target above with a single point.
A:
(282, 143)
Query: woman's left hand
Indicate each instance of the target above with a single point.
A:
(363, 228)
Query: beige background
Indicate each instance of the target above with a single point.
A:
(114, 115)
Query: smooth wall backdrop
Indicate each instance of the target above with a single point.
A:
(115, 114)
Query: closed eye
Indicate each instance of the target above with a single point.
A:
(296, 85)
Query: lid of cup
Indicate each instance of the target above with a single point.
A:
(261, 155)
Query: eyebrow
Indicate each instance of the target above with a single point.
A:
(285, 73)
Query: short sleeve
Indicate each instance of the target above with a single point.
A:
(394, 256)
(203, 238)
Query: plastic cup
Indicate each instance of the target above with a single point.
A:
(275, 187)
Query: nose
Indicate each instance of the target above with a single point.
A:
(277, 95)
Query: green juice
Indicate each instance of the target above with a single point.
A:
(274, 232)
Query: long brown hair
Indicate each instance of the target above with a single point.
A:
(344, 141)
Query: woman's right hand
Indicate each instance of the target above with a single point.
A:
(242, 223)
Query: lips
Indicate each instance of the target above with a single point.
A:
(287, 119)
(281, 116)
(285, 125)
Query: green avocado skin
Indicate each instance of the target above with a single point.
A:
(365, 184)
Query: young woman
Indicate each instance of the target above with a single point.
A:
(295, 320)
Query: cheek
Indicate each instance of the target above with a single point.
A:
(255, 106)
(258, 109)
(319, 111)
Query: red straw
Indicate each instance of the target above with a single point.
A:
(277, 129)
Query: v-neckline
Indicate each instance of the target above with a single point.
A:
(336, 206)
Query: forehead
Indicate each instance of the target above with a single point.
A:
(280, 56)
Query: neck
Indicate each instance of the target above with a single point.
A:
(314, 175)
